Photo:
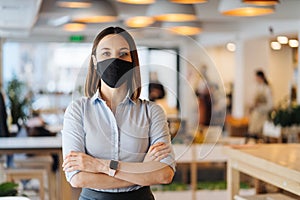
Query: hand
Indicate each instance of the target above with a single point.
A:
(83, 162)
(157, 152)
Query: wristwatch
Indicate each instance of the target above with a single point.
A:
(113, 166)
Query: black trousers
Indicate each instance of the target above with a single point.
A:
(143, 193)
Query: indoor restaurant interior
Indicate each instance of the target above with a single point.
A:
(225, 72)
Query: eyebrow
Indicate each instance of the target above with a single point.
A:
(124, 48)
(106, 48)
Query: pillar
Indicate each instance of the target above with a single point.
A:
(238, 84)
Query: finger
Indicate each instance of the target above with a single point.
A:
(156, 145)
(71, 166)
(162, 156)
(71, 154)
(69, 159)
(166, 151)
(74, 153)
(66, 161)
(67, 166)
(153, 158)
(160, 148)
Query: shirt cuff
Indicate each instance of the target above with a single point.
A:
(69, 175)
(169, 161)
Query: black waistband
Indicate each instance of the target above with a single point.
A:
(143, 193)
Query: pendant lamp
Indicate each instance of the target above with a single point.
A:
(139, 21)
(188, 1)
(184, 28)
(240, 9)
(262, 2)
(74, 27)
(100, 12)
(74, 3)
(164, 10)
(137, 1)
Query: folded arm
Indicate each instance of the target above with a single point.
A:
(94, 172)
(97, 180)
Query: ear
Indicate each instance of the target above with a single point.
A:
(94, 61)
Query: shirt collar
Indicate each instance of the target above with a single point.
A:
(97, 97)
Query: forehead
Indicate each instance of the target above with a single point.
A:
(113, 41)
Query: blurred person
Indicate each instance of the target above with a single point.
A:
(261, 106)
(115, 145)
(156, 91)
(4, 131)
(157, 94)
(3, 118)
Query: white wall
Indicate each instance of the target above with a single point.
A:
(224, 62)
(281, 73)
(256, 52)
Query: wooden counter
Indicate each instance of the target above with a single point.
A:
(277, 164)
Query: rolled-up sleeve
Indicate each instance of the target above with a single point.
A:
(159, 132)
(73, 132)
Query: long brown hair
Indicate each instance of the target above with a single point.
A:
(93, 82)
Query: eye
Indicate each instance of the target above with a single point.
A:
(124, 54)
(106, 53)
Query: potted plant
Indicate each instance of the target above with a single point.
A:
(18, 100)
(8, 189)
(287, 119)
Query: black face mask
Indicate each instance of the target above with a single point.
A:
(114, 72)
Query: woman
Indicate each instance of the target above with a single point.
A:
(114, 143)
(261, 107)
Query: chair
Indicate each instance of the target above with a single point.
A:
(39, 162)
(14, 175)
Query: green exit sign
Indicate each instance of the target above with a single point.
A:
(76, 38)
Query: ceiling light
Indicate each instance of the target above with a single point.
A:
(99, 12)
(74, 3)
(184, 28)
(74, 27)
(275, 45)
(230, 47)
(137, 1)
(163, 10)
(282, 39)
(262, 2)
(293, 43)
(139, 21)
(188, 1)
(237, 8)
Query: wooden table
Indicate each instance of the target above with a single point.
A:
(39, 146)
(195, 154)
(277, 164)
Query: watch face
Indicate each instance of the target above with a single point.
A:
(113, 164)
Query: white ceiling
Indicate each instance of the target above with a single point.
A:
(32, 19)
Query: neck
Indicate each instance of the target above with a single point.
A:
(113, 96)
